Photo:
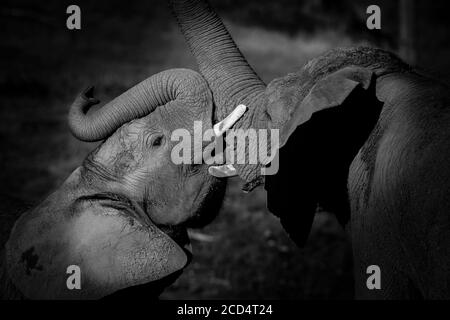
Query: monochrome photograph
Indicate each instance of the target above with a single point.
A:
(209, 153)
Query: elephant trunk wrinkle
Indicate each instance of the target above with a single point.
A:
(231, 79)
(219, 59)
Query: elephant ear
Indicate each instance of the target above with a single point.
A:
(318, 143)
(96, 251)
(327, 93)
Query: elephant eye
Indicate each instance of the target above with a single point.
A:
(157, 141)
(154, 140)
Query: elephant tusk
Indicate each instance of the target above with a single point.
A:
(225, 171)
(230, 120)
(201, 237)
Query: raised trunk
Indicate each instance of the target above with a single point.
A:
(227, 72)
(229, 76)
(139, 101)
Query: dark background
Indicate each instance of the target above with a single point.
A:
(244, 253)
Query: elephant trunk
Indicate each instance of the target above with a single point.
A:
(140, 100)
(230, 77)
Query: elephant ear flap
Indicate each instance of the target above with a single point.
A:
(327, 93)
(93, 254)
(318, 144)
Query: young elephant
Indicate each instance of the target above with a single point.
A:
(121, 216)
(361, 132)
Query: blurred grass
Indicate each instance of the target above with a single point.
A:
(44, 66)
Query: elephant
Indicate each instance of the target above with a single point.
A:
(121, 216)
(362, 134)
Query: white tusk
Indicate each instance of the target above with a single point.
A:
(227, 170)
(229, 121)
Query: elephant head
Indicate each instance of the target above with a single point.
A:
(233, 81)
(139, 153)
(326, 110)
(121, 217)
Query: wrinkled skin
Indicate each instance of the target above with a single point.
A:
(362, 133)
(399, 189)
(122, 215)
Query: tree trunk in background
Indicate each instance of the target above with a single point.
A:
(407, 31)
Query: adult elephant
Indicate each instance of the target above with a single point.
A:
(361, 132)
(121, 216)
